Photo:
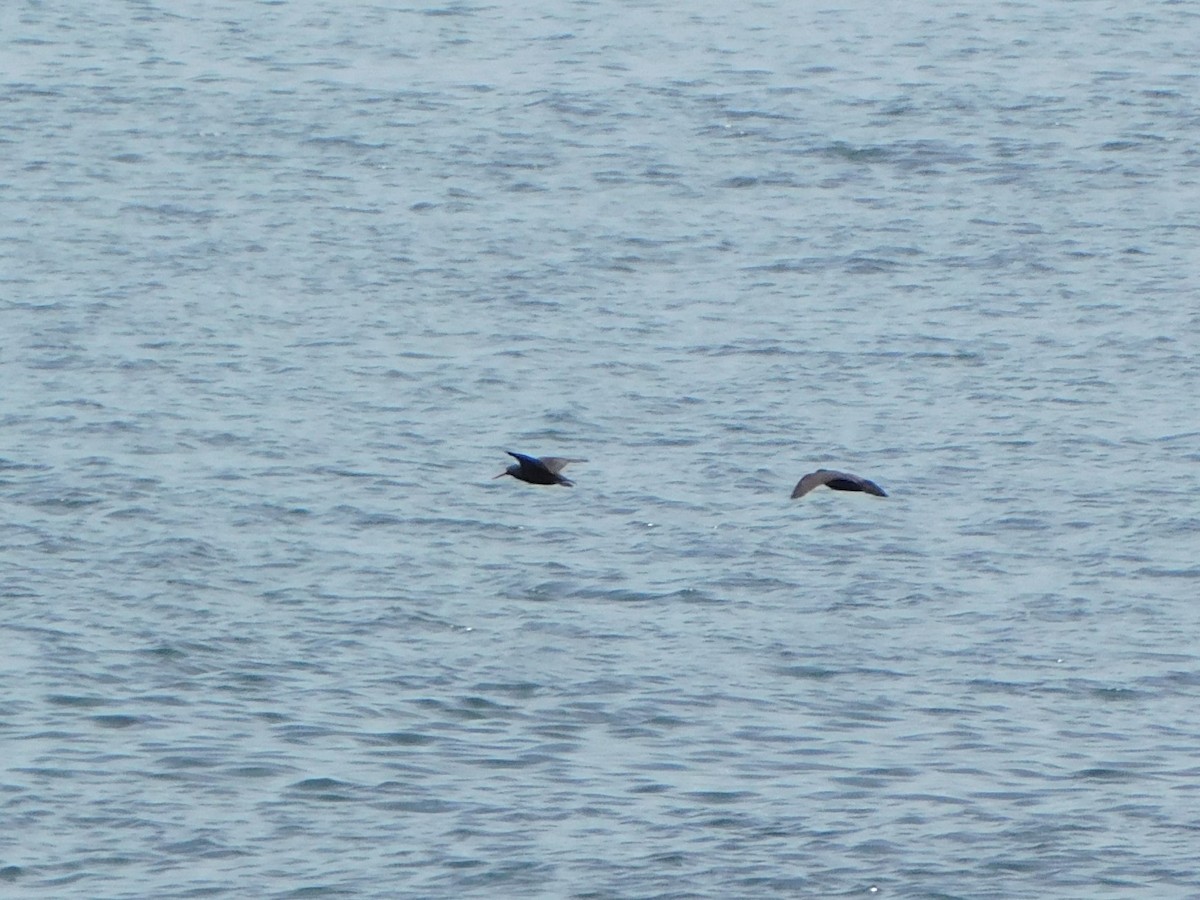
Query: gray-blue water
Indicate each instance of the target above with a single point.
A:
(282, 281)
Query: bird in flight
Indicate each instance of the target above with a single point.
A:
(538, 471)
(838, 481)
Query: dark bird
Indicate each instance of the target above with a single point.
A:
(538, 471)
(839, 481)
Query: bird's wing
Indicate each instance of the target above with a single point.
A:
(844, 481)
(871, 487)
(556, 463)
(814, 480)
(523, 459)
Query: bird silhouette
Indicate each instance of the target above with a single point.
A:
(838, 481)
(538, 471)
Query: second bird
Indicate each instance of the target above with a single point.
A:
(538, 471)
(838, 481)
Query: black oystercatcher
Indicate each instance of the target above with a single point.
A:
(839, 481)
(538, 471)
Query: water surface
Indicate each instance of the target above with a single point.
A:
(281, 282)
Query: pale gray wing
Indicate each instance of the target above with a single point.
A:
(557, 463)
(870, 487)
(814, 480)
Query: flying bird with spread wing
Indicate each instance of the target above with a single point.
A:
(538, 471)
(838, 481)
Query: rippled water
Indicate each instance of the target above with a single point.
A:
(282, 281)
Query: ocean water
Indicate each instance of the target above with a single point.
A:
(281, 282)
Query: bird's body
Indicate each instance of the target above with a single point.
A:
(838, 481)
(538, 471)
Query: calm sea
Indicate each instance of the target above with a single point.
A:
(280, 282)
